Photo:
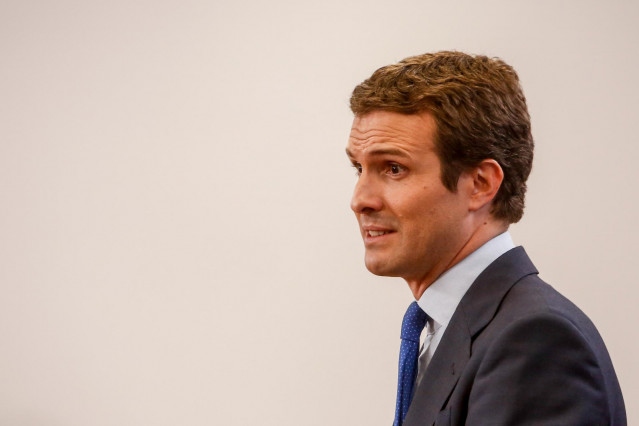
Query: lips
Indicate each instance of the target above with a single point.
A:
(376, 232)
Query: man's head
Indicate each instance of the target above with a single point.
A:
(443, 148)
(479, 110)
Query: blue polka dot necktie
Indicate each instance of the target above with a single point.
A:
(412, 326)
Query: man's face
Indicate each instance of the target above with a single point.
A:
(412, 226)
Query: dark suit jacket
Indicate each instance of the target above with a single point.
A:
(516, 352)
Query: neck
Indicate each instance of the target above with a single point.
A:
(483, 233)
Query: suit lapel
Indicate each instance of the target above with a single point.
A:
(441, 375)
(476, 309)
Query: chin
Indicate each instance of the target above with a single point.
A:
(380, 267)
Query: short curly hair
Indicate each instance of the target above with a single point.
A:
(479, 109)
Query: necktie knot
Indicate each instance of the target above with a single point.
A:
(413, 323)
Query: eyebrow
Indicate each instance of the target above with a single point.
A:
(382, 151)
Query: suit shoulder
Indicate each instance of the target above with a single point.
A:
(536, 319)
(532, 300)
(547, 368)
(531, 296)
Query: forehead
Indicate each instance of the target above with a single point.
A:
(386, 129)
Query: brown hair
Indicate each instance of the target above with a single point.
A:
(480, 111)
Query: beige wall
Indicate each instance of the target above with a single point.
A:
(175, 239)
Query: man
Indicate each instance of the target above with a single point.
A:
(442, 146)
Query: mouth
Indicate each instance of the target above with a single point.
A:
(371, 233)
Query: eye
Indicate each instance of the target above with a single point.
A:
(395, 169)
(358, 168)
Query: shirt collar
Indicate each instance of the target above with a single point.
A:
(441, 298)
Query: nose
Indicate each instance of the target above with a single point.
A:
(367, 195)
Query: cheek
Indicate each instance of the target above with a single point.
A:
(420, 204)
(431, 216)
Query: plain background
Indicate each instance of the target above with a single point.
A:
(176, 244)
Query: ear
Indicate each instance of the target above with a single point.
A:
(486, 177)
